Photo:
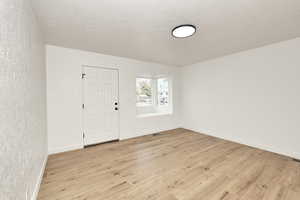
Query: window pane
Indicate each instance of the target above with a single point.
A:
(143, 91)
(163, 91)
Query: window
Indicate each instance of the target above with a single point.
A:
(153, 96)
(144, 92)
(163, 91)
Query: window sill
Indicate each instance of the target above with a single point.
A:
(144, 105)
(153, 114)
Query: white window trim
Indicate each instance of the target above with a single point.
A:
(153, 99)
(169, 92)
(167, 109)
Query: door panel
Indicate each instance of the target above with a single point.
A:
(100, 118)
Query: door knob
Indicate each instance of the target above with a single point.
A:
(116, 108)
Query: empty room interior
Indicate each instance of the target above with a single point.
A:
(149, 100)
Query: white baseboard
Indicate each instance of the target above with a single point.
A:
(264, 147)
(64, 149)
(139, 134)
(39, 181)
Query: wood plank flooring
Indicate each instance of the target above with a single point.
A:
(174, 165)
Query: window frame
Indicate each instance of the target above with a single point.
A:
(153, 103)
(157, 90)
(154, 91)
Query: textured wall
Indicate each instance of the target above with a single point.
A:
(23, 140)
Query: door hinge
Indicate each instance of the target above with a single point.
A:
(83, 106)
(83, 135)
(83, 75)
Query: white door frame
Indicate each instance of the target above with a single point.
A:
(82, 98)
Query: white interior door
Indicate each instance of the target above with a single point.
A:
(100, 105)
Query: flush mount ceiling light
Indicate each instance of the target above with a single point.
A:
(183, 31)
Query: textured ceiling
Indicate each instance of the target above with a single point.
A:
(141, 29)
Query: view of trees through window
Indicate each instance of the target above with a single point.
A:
(163, 91)
(144, 91)
(148, 95)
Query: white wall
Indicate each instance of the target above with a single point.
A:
(23, 140)
(252, 97)
(64, 96)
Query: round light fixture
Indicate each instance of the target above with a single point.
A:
(183, 31)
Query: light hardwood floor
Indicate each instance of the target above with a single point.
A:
(175, 165)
